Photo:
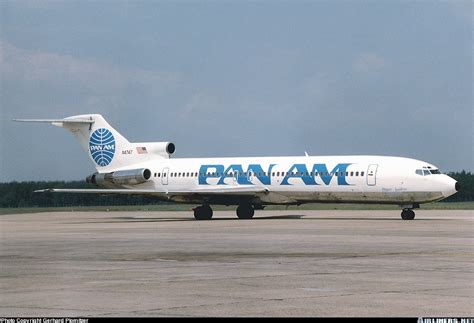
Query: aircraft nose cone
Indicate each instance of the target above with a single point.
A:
(449, 186)
(457, 187)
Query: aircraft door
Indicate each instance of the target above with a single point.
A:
(164, 176)
(372, 174)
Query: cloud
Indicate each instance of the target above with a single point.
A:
(369, 62)
(35, 66)
(462, 10)
(200, 103)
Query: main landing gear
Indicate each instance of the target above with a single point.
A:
(245, 211)
(204, 212)
(408, 214)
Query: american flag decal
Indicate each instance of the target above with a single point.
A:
(141, 150)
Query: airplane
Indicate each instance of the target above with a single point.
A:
(250, 183)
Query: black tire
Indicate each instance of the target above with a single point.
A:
(245, 211)
(408, 214)
(203, 212)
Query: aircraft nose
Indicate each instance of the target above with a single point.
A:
(457, 187)
(450, 186)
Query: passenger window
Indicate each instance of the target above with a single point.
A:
(158, 174)
(361, 173)
(357, 173)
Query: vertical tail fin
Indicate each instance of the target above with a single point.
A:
(108, 149)
(97, 138)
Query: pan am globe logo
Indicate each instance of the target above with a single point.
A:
(102, 146)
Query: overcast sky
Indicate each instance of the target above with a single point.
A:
(238, 78)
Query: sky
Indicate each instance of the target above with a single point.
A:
(238, 78)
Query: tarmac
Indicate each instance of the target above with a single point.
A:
(281, 263)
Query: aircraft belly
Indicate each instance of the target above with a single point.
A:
(364, 197)
(294, 197)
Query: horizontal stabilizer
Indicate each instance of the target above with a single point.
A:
(68, 121)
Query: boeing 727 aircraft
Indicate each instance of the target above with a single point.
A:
(251, 183)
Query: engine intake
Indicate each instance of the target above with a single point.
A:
(163, 149)
(121, 177)
(170, 148)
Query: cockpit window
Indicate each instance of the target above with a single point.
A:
(426, 172)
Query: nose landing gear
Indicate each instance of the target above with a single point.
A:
(408, 214)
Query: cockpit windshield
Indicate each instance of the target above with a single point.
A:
(425, 171)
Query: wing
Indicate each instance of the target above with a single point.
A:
(221, 195)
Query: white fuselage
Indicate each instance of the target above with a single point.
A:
(305, 179)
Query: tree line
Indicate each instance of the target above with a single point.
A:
(21, 194)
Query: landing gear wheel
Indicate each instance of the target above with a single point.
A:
(245, 211)
(203, 212)
(408, 214)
